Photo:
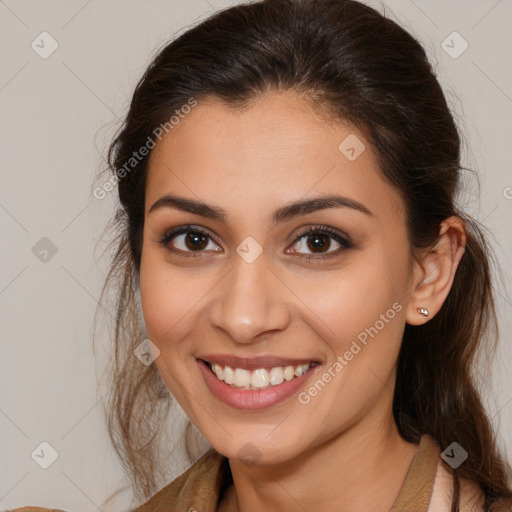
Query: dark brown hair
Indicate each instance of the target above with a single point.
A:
(355, 65)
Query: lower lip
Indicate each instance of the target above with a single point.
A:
(253, 399)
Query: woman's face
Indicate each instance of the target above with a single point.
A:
(249, 288)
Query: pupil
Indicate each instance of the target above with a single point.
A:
(195, 241)
(319, 242)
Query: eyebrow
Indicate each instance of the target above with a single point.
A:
(301, 207)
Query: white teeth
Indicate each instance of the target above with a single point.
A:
(289, 372)
(276, 376)
(229, 375)
(298, 371)
(260, 378)
(242, 377)
(218, 371)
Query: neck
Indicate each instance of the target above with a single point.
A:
(362, 468)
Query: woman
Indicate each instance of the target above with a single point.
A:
(313, 297)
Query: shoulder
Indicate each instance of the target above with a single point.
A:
(199, 484)
(472, 497)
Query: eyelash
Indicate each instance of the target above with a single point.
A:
(344, 241)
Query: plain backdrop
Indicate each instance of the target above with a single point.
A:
(57, 115)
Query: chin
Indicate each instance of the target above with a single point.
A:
(257, 450)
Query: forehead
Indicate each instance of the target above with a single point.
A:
(275, 150)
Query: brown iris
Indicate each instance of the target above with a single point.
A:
(315, 242)
(196, 241)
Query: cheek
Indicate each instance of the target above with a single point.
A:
(167, 299)
(361, 302)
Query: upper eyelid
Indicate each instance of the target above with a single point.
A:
(326, 230)
(183, 230)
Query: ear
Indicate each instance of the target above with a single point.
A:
(434, 271)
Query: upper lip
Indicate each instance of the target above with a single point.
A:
(253, 363)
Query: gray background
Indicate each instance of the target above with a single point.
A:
(57, 116)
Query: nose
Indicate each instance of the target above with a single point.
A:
(251, 302)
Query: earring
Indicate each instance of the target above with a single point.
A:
(423, 311)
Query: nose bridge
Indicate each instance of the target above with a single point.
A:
(250, 301)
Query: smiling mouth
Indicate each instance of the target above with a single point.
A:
(259, 378)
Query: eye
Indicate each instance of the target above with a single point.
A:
(318, 240)
(187, 239)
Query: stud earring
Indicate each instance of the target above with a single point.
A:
(423, 311)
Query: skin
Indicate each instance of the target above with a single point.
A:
(249, 163)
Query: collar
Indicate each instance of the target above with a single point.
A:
(200, 486)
